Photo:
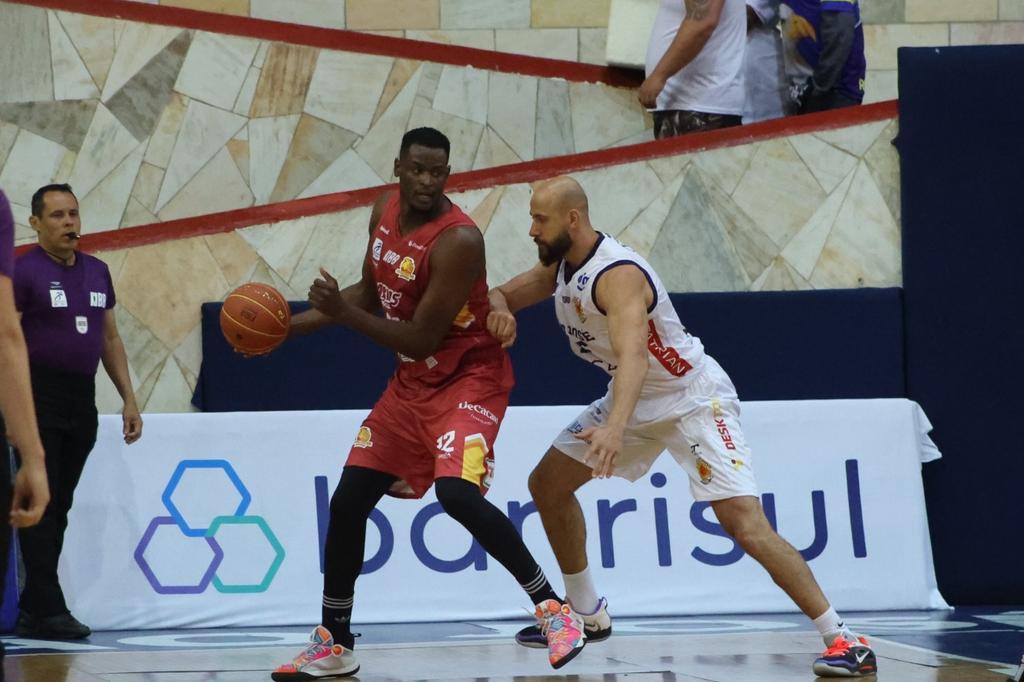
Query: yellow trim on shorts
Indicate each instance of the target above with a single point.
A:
(474, 452)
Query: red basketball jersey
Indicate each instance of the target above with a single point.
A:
(401, 269)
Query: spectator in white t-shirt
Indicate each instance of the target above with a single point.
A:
(695, 66)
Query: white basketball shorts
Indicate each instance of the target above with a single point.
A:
(700, 428)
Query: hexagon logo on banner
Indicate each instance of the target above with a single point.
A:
(253, 526)
(161, 534)
(206, 497)
(218, 479)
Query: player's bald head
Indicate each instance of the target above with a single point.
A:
(562, 194)
(560, 217)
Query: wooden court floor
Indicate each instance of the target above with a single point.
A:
(918, 647)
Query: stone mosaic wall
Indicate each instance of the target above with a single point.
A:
(809, 211)
(577, 29)
(151, 123)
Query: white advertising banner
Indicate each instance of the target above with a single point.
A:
(217, 520)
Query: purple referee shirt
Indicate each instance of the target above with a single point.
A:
(62, 309)
(6, 238)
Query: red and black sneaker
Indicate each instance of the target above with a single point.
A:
(847, 658)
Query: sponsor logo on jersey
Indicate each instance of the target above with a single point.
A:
(479, 410)
(391, 257)
(668, 357)
(383, 229)
(378, 246)
(406, 269)
(416, 246)
(579, 334)
(723, 430)
(364, 439)
(389, 298)
(578, 340)
(82, 324)
(58, 299)
(97, 299)
(581, 282)
(578, 305)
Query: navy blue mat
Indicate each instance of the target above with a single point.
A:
(776, 346)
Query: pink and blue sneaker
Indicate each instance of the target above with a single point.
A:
(563, 628)
(321, 659)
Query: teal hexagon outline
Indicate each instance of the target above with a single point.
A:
(279, 553)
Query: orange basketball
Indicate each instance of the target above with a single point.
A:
(254, 318)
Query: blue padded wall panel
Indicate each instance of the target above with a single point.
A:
(962, 146)
(776, 345)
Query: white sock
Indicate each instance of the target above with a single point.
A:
(579, 588)
(829, 625)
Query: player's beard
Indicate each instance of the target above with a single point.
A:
(554, 251)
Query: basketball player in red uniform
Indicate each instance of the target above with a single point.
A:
(423, 294)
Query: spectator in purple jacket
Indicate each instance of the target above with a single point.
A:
(823, 44)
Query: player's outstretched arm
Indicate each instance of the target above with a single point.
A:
(362, 294)
(522, 291)
(456, 262)
(525, 289)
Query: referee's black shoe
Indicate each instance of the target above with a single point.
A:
(61, 626)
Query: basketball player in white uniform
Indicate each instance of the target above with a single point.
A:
(665, 394)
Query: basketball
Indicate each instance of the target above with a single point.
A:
(255, 318)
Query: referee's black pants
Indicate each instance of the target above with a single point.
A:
(66, 410)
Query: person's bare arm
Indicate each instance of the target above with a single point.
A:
(115, 362)
(362, 294)
(701, 19)
(625, 295)
(31, 492)
(522, 291)
(456, 262)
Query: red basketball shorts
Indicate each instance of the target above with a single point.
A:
(435, 432)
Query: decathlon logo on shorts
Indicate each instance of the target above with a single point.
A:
(479, 410)
(208, 538)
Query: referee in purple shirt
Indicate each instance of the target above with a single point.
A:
(66, 300)
(27, 496)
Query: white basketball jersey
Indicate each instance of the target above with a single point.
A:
(673, 353)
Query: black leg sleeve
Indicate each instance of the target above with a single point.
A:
(495, 533)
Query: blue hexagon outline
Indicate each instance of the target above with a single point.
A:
(182, 467)
(154, 581)
(275, 544)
